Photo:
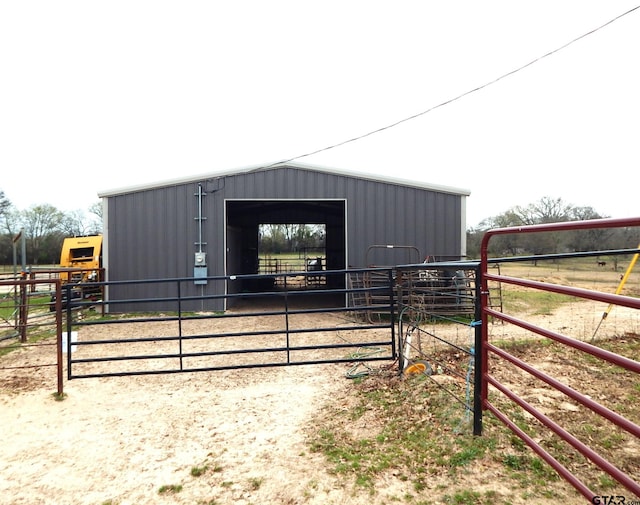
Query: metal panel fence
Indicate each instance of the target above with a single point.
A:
(278, 327)
(438, 306)
(27, 322)
(494, 353)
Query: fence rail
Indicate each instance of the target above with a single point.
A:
(283, 331)
(17, 301)
(492, 351)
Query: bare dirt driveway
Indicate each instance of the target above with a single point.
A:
(120, 440)
(208, 437)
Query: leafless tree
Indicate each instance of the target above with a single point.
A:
(78, 223)
(40, 223)
(5, 204)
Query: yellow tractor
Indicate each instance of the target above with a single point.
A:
(81, 262)
(82, 256)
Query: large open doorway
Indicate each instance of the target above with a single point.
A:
(247, 219)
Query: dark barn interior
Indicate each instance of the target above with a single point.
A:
(244, 217)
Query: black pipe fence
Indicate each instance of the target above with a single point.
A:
(277, 327)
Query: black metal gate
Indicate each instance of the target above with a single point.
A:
(282, 326)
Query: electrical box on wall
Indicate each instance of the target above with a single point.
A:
(200, 268)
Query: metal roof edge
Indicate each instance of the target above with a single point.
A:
(174, 182)
(381, 178)
(284, 164)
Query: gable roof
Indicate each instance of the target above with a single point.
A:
(278, 165)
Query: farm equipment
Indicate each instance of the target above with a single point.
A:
(81, 265)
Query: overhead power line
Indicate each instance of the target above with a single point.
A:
(462, 95)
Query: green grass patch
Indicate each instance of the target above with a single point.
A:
(533, 302)
(6, 349)
(9, 307)
(58, 396)
(413, 430)
(197, 471)
(255, 483)
(415, 448)
(33, 337)
(170, 488)
(465, 497)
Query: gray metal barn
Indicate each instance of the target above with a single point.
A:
(205, 226)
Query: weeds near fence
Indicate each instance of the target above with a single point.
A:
(59, 396)
(40, 336)
(411, 429)
(37, 304)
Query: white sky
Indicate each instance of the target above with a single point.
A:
(102, 95)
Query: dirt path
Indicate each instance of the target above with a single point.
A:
(122, 439)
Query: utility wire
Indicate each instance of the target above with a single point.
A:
(466, 93)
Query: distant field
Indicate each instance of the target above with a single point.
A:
(8, 269)
(579, 272)
(287, 262)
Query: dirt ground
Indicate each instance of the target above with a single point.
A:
(224, 437)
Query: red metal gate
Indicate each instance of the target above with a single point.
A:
(492, 352)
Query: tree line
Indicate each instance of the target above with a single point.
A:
(281, 238)
(44, 228)
(548, 210)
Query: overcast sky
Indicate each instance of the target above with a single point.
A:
(102, 95)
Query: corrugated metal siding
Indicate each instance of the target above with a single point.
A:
(152, 233)
(379, 213)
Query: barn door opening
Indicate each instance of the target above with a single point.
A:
(265, 237)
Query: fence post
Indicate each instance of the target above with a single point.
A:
(58, 312)
(392, 315)
(68, 322)
(477, 357)
(179, 293)
(23, 313)
(286, 318)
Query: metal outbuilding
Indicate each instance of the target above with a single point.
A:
(207, 225)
